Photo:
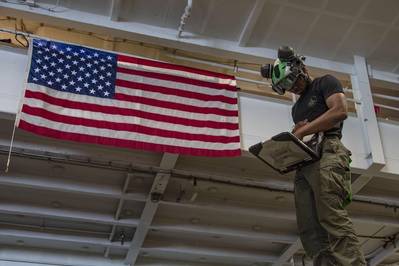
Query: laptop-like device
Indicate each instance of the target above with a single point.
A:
(285, 152)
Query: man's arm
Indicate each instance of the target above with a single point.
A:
(337, 112)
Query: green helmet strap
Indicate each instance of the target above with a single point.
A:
(279, 71)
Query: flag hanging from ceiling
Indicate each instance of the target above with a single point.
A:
(93, 96)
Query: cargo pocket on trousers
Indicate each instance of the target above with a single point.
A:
(347, 188)
(335, 185)
(342, 176)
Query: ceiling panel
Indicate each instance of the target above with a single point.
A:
(383, 11)
(288, 29)
(386, 56)
(344, 7)
(263, 24)
(153, 12)
(361, 41)
(308, 3)
(225, 20)
(325, 36)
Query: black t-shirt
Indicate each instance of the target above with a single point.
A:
(312, 103)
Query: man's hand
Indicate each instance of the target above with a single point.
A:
(336, 113)
(296, 130)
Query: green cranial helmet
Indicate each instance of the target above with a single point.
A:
(281, 70)
(285, 71)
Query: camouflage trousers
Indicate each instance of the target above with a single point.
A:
(322, 190)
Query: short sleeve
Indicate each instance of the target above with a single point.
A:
(330, 85)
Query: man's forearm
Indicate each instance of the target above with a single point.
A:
(323, 123)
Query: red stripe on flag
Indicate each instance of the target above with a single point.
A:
(128, 112)
(124, 143)
(126, 127)
(176, 106)
(158, 64)
(176, 92)
(161, 76)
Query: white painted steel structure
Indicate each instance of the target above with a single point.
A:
(72, 204)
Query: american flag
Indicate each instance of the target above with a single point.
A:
(93, 96)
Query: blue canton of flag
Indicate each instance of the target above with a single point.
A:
(74, 69)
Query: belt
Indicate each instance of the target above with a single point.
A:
(331, 136)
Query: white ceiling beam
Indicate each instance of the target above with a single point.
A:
(383, 75)
(119, 210)
(289, 215)
(223, 231)
(66, 215)
(75, 187)
(251, 22)
(161, 36)
(224, 255)
(158, 188)
(167, 37)
(365, 109)
(41, 256)
(288, 253)
(243, 210)
(41, 234)
(286, 214)
(115, 10)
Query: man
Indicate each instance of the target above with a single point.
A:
(322, 189)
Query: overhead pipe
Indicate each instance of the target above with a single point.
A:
(85, 161)
(184, 17)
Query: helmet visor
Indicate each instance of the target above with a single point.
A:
(285, 84)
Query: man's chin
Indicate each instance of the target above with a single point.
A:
(296, 91)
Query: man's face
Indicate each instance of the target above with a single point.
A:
(299, 86)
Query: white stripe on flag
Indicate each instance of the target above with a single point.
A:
(176, 99)
(126, 135)
(131, 105)
(180, 73)
(175, 85)
(128, 119)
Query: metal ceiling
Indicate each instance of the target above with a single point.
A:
(329, 29)
(94, 205)
(87, 199)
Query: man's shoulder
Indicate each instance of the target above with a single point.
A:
(326, 81)
(326, 78)
(327, 85)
